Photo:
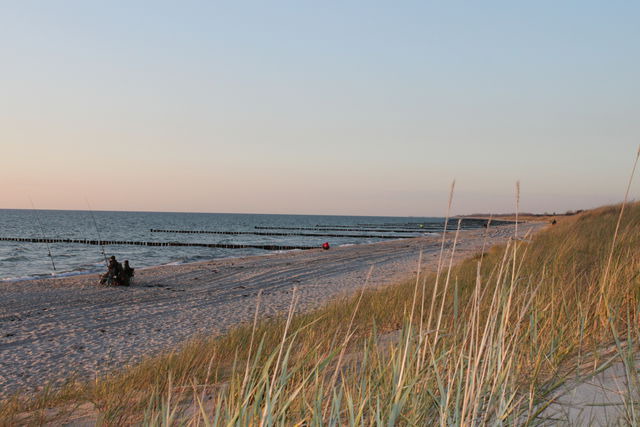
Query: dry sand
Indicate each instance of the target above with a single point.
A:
(54, 329)
(604, 398)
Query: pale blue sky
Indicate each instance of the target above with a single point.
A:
(333, 107)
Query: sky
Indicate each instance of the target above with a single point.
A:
(352, 108)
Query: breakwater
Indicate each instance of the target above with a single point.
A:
(258, 233)
(138, 243)
(370, 230)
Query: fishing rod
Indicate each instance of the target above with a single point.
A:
(95, 223)
(35, 213)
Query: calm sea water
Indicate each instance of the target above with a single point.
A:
(19, 260)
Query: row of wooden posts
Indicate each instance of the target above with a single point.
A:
(370, 230)
(258, 233)
(138, 243)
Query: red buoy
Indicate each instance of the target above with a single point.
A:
(325, 246)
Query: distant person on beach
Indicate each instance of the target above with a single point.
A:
(127, 274)
(114, 271)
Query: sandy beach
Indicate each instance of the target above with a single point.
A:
(55, 329)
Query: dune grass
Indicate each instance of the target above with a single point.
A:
(488, 340)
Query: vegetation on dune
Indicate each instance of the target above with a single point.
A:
(488, 340)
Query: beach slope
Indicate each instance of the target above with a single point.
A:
(56, 329)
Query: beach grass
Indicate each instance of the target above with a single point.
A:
(490, 340)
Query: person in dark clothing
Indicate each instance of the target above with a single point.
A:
(114, 271)
(127, 274)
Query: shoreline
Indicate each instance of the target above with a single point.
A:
(102, 270)
(67, 274)
(72, 327)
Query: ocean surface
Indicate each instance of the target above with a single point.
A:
(25, 260)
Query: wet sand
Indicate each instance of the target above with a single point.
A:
(54, 329)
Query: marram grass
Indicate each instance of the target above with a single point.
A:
(499, 335)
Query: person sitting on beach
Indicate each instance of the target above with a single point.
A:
(126, 274)
(112, 276)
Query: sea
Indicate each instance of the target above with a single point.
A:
(21, 260)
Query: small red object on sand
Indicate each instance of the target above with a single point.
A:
(325, 245)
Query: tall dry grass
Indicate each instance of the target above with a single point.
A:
(487, 341)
